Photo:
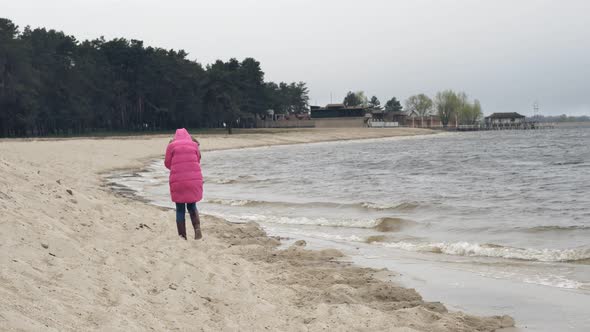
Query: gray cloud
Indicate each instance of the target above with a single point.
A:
(505, 53)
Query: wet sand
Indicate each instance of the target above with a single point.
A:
(75, 256)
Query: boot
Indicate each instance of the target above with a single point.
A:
(181, 226)
(196, 225)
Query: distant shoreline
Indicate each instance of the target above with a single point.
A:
(573, 124)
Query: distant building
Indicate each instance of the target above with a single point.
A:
(504, 119)
(377, 115)
(414, 120)
(382, 115)
(399, 117)
(337, 111)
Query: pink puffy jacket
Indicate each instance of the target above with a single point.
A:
(183, 159)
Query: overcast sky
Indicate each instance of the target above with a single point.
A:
(507, 54)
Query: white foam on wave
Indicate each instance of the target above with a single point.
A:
(555, 281)
(320, 235)
(404, 206)
(486, 250)
(221, 181)
(529, 275)
(355, 223)
(230, 202)
(392, 206)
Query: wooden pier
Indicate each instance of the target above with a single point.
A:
(505, 126)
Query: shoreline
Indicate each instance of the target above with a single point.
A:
(105, 262)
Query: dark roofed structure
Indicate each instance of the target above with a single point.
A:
(510, 115)
(337, 111)
(377, 114)
(504, 118)
(398, 116)
(335, 106)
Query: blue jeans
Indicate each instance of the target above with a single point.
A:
(181, 211)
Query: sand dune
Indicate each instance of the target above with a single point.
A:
(77, 257)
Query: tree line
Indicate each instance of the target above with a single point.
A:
(448, 105)
(561, 118)
(53, 84)
(358, 98)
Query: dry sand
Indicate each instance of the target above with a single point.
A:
(77, 257)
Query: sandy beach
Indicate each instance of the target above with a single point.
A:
(77, 257)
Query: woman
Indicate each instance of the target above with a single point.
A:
(183, 159)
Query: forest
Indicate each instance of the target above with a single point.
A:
(51, 84)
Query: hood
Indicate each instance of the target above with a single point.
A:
(182, 134)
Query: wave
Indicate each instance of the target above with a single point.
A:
(328, 236)
(494, 250)
(238, 179)
(555, 281)
(568, 162)
(231, 202)
(376, 239)
(354, 223)
(405, 206)
(553, 228)
(390, 224)
(385, 224)
(380, 224)
(222, 181)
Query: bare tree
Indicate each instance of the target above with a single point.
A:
(421, 104)
(448, 104)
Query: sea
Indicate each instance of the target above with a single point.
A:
(490, 222)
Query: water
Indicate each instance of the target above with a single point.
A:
(485, 221)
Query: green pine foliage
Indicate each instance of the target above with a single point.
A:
(52, 84)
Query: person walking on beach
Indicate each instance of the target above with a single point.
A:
(183, 159)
